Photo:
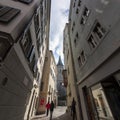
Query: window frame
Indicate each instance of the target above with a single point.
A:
(84, 17)
(97, 40)
(81, 58)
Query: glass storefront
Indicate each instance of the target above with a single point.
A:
(101, 103)
(106, 97)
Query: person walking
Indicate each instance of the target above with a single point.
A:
(47, 107)
(51, 109)
(73, 106)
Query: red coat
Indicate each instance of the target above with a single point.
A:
(48, 105)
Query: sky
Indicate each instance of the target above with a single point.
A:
(59, 17)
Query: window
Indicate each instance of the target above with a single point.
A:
(81, 59)
(26, 1)
(8, 13)
(45, 3)
(35, 69)
(72, 29)
(76, 38)
(29, 50)
(1, 7)
(26, 44)
(38, 45)
(4, 47)
(99, 30)
(75, 42)
(46, 58)
(38, 76)
(73, 26)
(42, 85)
(36, 22)
(4, 81)
(86, 12)
(41, 10)
(92, 42)
(30, 57)
(82, 56)
(77, 11)
(83, 21)
(79, 3)
(85, 15)
(74, 4)
(97, 34)
(32, 63)
(77, 35)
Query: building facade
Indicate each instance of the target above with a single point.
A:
(95, 46)
(42, 20)
(68, 73)
(24, 29)
(48, 89)
(61, 90)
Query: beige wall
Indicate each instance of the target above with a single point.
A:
(35, 92)
(48, 81)
(71, 87)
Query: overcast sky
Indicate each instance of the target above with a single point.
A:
(59, 16)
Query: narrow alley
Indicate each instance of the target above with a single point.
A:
(61, 57)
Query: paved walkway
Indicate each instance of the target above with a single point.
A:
(65, 116)
(58, 114)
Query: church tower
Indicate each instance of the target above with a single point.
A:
(60, 86)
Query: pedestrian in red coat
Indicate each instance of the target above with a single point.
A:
(48, 108)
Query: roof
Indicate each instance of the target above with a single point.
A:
(60, 62)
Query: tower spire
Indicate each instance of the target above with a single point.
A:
(60, 61)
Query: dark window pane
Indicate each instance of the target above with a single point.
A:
(8, 13)
(4, 47)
